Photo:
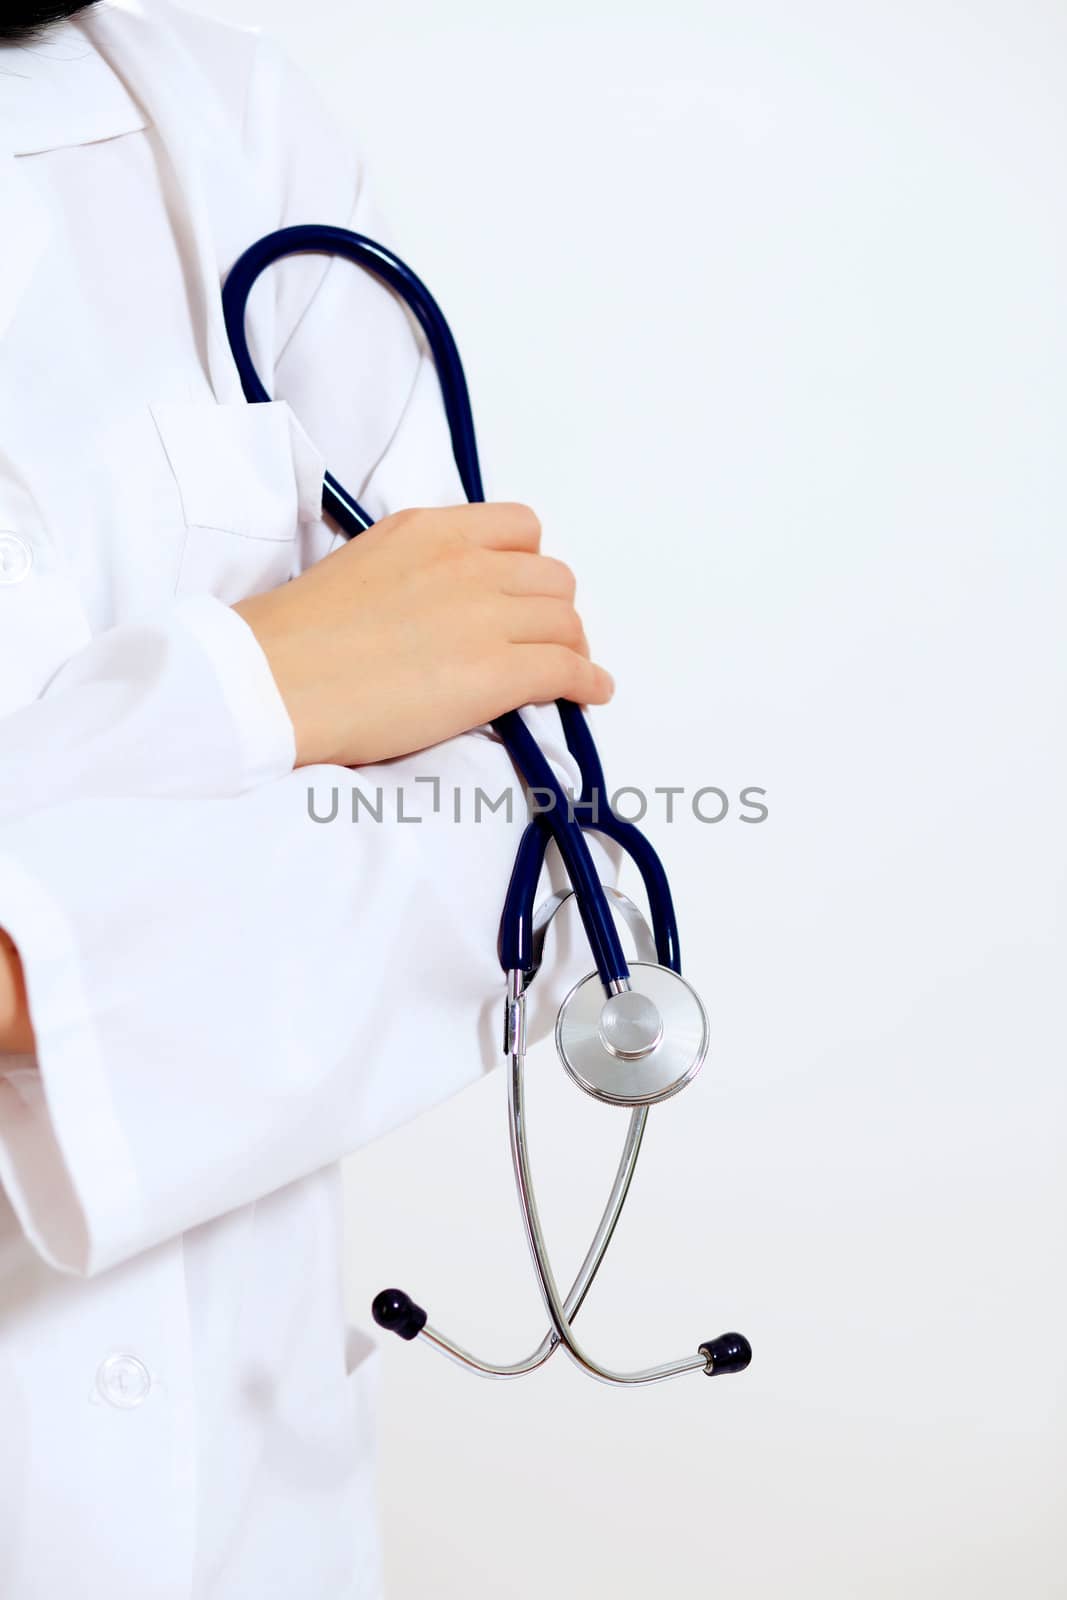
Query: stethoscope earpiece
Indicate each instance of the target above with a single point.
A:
(730, 1352)
(397, 1313)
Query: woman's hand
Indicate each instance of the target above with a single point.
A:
(430, 623)
(16, 1031)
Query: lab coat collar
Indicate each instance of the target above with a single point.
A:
(58, 91)
(146, 51)
(122, 68)
(27, 226)
(54, 93)
(126, 68)
(26, 229)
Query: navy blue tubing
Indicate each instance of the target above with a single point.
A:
(353, 519)
(594, 800)
(516, 924)
(592, 811)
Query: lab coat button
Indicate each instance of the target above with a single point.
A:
(16, 558)
(123, 1381)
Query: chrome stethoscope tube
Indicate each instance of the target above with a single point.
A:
(557, 1309)
(582, 1282)
(515, 1047)
(393, 1309)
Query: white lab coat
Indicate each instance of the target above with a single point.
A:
(227, 996)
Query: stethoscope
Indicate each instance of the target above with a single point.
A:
(631, 1033)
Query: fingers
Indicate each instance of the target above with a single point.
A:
(503, 525)
(553, 672)
(540, 620)
(520, 573)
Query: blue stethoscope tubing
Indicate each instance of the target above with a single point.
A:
(563, 818)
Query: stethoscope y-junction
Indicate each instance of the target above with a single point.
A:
(631, 1033)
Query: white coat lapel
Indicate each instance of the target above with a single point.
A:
(158, 71)
(56, 94)
(25, 228)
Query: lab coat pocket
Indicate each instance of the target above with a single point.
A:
(248, 477)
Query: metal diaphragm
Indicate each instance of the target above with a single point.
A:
(638, 1047)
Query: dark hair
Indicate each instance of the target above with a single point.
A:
(19, 22)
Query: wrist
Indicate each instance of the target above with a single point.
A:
(286, 661)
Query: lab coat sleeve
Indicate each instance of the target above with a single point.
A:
(238, 973)
(230, 993)
(181, 703)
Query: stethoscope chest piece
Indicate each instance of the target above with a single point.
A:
(639, 1046)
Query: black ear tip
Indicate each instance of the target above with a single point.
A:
(389, 1307)
(730, 1352)
(397, 1313)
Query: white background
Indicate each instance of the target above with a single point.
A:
(763, 310)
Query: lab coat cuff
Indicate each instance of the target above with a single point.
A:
(262, 724)
(63, 1153)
